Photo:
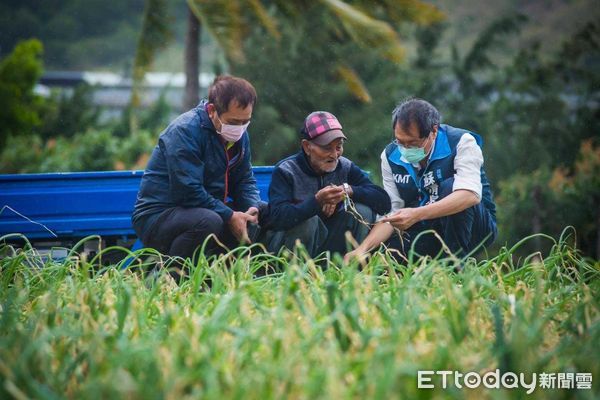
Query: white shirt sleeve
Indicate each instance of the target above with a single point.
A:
(389, 185)
(467, 163)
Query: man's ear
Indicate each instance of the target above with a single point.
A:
(210, 108)
(305, 145)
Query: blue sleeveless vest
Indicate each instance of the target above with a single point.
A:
(418, 188)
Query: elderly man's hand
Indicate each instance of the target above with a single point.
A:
(404, 218)
(253, 211)
(330, 195)
(328, 209)
(356, 254)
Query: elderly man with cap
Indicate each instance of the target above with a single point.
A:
(308, 189)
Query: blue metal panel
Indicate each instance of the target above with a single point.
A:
(263, 180)
(78, 204)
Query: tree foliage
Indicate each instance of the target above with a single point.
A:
(545, 201)
(77, 34)
(291, 84)
(69, 113)
(94, 150)
(19, 105)
(154, 36)
(368, 24)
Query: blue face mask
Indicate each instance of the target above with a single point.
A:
(412, 154)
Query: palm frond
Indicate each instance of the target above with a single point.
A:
(410, 11)
(353, 82)
(154, 36)
(223, 20)
(266, 20)
(366, 31)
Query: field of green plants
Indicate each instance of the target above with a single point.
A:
(313, 329)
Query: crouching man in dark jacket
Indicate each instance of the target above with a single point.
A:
(199, 179)
(307, 191)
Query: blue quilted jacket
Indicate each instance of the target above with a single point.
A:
(190, 167)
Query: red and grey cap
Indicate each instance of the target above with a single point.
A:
(322, 127)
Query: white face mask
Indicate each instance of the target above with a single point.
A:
(232, 133)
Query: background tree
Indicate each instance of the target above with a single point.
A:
(229, 21)
(19, 105)
(192, 60)
(69, 113)
(77, 34)
(154, 36)
(543, 110)
(291, 85)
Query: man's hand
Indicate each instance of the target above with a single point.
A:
(328, 209)
(253, 211)
(404, 218)
(349, 190)
(357, 254)
(330, 195)
(238, 224)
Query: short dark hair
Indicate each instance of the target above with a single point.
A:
(417, 111)
(227, 88)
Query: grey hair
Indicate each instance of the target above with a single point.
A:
(417, 111)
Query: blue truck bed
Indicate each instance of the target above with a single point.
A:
(78, 204)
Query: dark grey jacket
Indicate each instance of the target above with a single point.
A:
(294, 185)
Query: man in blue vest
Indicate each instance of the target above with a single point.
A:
(434, 176)
(199, 179)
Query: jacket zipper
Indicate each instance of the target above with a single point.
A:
(226, 175)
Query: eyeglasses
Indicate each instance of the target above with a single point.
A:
(421, 143)
(234, 122)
